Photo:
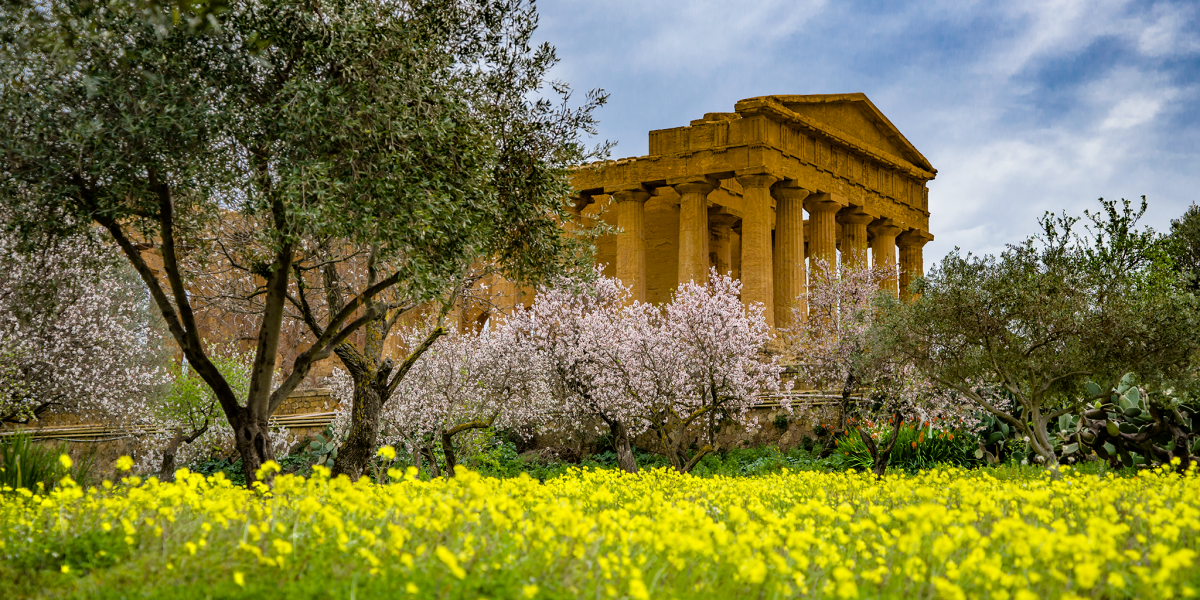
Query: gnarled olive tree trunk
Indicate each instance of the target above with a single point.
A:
(374, 384)
(253, 442)
(367, 405)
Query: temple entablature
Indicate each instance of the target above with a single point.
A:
(731, 191)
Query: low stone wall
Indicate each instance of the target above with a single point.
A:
(305, 413)
(316, 400)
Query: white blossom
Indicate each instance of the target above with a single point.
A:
(76, 334)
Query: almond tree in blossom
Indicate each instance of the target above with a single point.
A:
(464, 381)
(77, 334)
(470, 381)
(835, 354)
(692, 364)
(722, 346)
(576, 325)
(677, 369)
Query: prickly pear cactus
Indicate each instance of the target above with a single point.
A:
(1068, 439)
(324, 449)
(994, 440)
(1129, 429)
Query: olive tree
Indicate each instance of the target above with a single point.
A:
(1184, 244)
(1021, 334)
(511, 227)
(333, 124)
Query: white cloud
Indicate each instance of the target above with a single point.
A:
(1131, 112)
(1129, 97)
(671, 34)
(1005, 183)
(1165, 35)
(1054, 26)
(703, 35)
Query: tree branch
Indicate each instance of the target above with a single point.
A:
(201, 362)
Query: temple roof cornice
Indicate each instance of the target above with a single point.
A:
(773, 107)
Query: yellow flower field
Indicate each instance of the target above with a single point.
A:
(605, 534)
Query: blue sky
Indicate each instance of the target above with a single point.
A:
(1023, 107)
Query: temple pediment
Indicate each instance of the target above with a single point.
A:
(852, 117)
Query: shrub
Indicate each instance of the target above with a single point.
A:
(33, 466)
(916, 448)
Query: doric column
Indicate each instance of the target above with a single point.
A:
(631, 240)
(823, 228)
(756, 243)
(912, 264)
(883, 250)
(719, 242)
(693, 230)
(854, 235)
(789, 253)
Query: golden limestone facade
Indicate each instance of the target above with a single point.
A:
(760, 193)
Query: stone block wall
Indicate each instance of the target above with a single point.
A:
(80, 436)
(315, 400)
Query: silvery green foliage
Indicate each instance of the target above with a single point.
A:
(76, 335)
(1034, 324)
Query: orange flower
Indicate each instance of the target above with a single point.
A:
(914, 444)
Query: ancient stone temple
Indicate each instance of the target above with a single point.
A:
(760, 192)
